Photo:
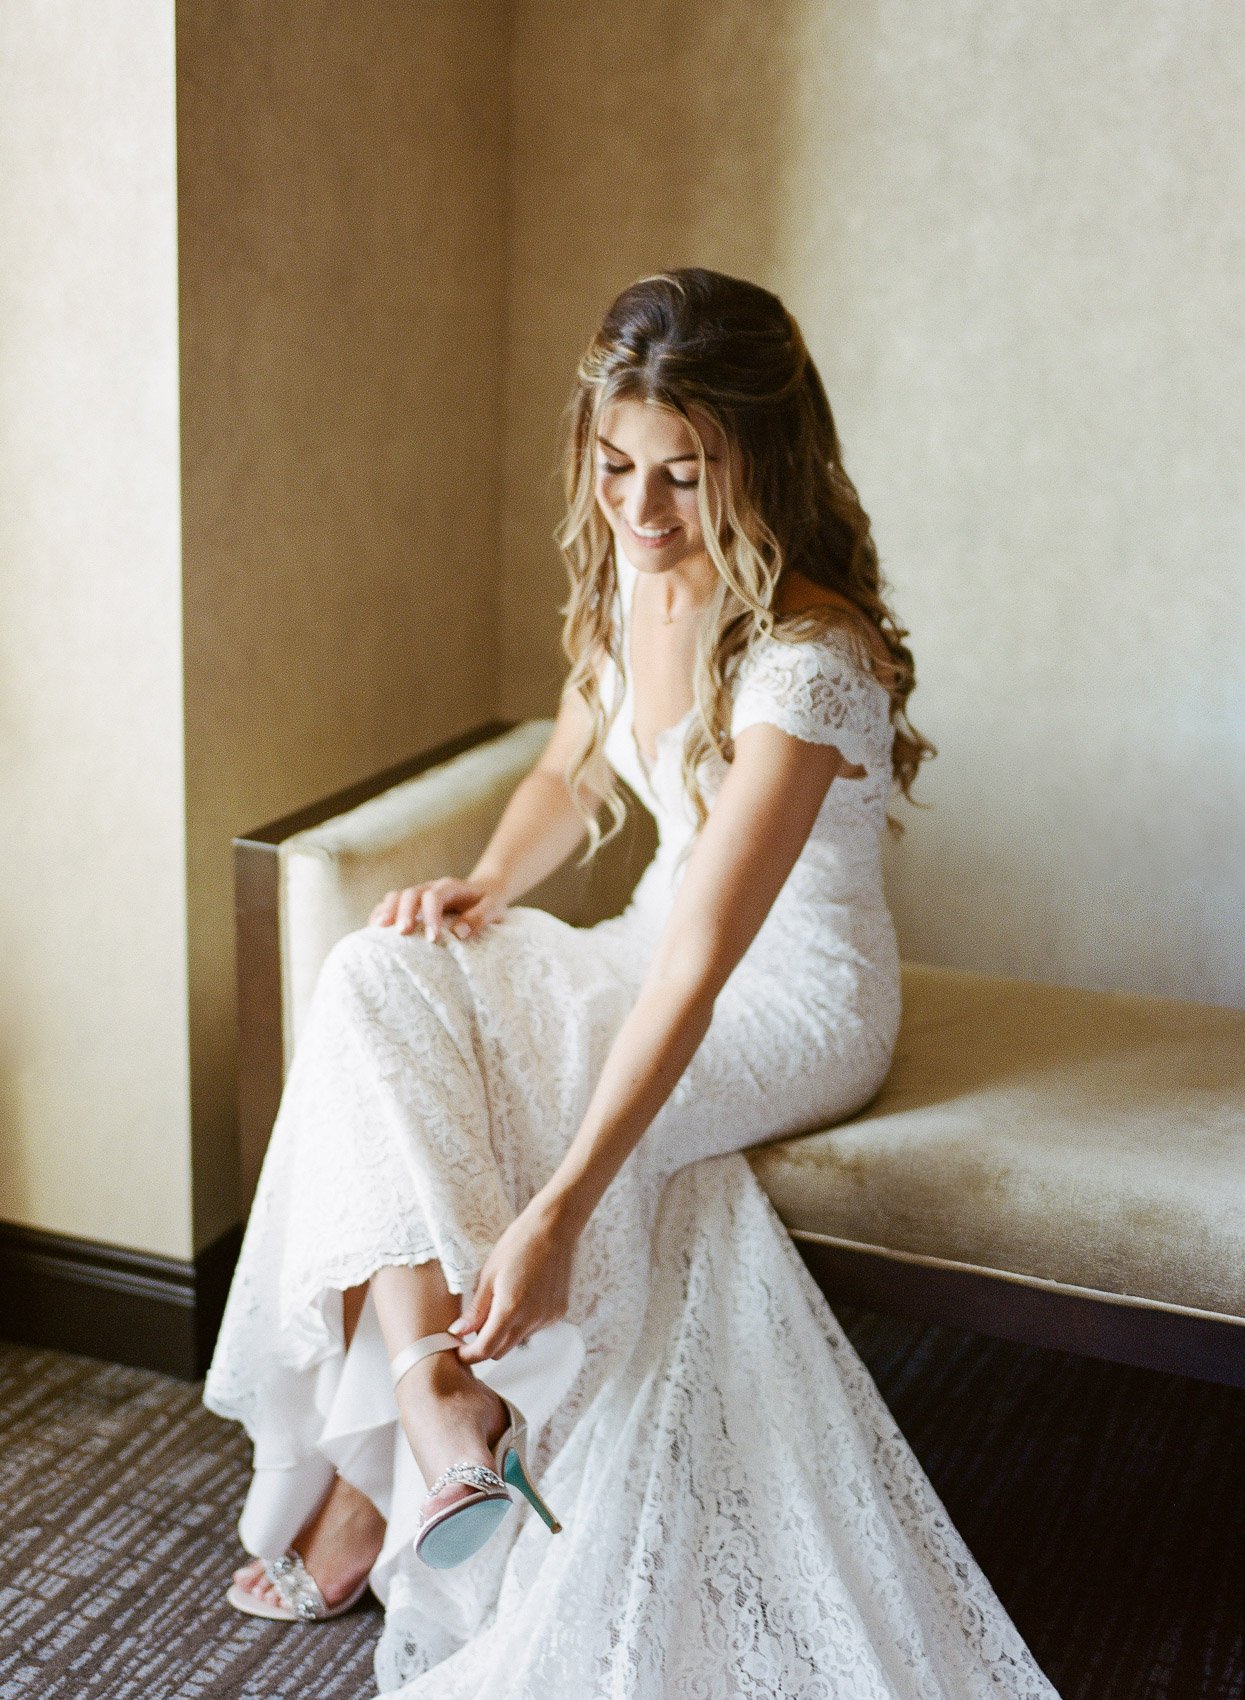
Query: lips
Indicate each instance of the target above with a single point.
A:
(651, 542)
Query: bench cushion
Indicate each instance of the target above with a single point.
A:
(1093, 1140)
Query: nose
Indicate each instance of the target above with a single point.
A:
(644, 505)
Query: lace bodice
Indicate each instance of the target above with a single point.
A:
(817, 690)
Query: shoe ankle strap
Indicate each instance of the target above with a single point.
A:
(410, 1355)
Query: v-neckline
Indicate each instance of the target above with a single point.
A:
(646, 769)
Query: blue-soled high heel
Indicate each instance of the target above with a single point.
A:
(454, 1534)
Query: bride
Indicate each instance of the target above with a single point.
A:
(518, 1338)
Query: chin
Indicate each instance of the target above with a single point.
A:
(653, 560)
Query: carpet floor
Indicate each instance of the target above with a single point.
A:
(1106, 1504)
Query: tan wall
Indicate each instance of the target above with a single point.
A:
(1015, 247)
(342, 232)
(94, 1096)
(331, 227)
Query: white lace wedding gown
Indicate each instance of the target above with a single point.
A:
(742, 1516)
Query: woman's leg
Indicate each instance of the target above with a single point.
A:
(447, 1415)
(339, 1543)
(386, 1148)
(352, 1307)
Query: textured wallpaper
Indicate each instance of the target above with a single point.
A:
(341, 181)
(333, 267)
(1015, 238)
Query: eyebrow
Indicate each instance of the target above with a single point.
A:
(673, 460)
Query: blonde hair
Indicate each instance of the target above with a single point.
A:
(698, 339)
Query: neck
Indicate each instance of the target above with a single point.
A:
(683, 591)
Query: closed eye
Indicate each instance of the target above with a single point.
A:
(679, 483)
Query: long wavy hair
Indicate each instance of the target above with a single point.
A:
(697, 339)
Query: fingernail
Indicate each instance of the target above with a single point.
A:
(462, 929)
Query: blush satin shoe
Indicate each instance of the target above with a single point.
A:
(452, 1535)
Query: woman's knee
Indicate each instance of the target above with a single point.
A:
(367, 945)
(370, 962)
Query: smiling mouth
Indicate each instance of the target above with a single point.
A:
(651, 538)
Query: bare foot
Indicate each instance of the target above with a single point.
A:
(449, 1418)
(338, 1544)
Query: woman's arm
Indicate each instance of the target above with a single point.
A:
(539, 828)
(540, 825)
(757, 826)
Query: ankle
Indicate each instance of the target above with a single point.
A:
(448, 1415)
(440, 1375)
(359, 1518)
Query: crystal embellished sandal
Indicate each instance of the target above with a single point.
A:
(300, 1595)
(451, 1535)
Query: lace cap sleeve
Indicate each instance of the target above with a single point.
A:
(815, 691)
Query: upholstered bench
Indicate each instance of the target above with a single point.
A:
(1059, 1166)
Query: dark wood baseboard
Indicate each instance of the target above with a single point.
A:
(127, 1307)
(1206, 1348)
(163, 1313)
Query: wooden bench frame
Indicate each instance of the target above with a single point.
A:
(1010, 1306)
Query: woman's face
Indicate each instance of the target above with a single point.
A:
(647, 471)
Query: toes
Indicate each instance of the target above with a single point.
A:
(261, 1586)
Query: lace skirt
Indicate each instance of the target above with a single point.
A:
(741, 1514)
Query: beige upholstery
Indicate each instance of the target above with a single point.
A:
(1085, 1141)
(1088, 1139)
(331, 876)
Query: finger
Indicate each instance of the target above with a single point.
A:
(408, 902)
(450, 895)
(491, 908)
(477, 1307)
(384, 911)
(490, 1342)
(430, 913)
(472, 920)
(488, 1335)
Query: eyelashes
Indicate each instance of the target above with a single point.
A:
(679, 483)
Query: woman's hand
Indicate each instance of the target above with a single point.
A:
(468, 904)
(525, 1283)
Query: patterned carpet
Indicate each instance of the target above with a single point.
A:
(1105, 1504)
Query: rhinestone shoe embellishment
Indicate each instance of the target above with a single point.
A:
(296, 1586)
(475, 1475)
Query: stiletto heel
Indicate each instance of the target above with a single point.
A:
(514, 1469)
(451, 1536)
